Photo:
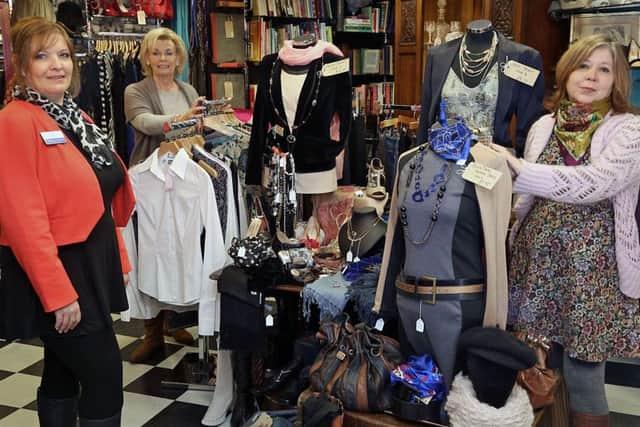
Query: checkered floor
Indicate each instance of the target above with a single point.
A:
(146, 402)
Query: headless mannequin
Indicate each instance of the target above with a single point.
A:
(365, 224)
(292, 79)
(478, 38)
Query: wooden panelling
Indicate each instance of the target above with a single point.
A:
(407, 86)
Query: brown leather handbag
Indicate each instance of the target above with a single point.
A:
(355, 365)
(540, 381)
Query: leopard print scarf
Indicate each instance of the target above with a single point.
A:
(94, 142)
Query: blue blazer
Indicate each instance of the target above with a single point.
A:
(514, 98)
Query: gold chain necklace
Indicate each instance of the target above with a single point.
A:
(352, 235)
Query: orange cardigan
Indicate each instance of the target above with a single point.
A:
(49, 197)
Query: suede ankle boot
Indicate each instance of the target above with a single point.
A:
(153, 340)
(113, 421)
(579, 419)
(180, 335)
(57, 412)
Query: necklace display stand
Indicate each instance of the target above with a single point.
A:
(360, 234)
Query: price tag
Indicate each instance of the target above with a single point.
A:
(279, 130)
(338, 67)
(241, 252)
(142, 17)
(420, 325)
(268, 320)
(292, 195)
(228, 28)
(481, 175)
(340, 355)
(379, 324)
(349, 256)
(521, 73)
(228, 90)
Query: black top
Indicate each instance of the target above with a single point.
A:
(93, 266)
(313, 149)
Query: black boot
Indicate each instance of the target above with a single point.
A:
(57, 412)
(113, 421)
(244, 403)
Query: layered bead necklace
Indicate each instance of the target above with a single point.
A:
(438, 185)
(474, 64)
(291, 138)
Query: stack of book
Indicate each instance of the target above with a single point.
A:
(371, 19)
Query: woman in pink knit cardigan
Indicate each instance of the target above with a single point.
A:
(574, 272)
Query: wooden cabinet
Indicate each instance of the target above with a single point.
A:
(524, 21)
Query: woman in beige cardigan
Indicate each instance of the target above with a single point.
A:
(149, 104)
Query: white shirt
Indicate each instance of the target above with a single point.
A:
(175, 203)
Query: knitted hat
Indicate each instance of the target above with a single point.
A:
(492, 358)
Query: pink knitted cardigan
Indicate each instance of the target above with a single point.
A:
(614, 173)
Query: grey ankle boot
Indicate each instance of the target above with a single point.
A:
(57, 412)
(113, 421)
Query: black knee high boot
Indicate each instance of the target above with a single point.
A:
(57, 412)
(113, 421)
(244, 403)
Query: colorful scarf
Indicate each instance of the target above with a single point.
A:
(575, 125)
(294, 56)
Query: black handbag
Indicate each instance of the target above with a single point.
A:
(235, 282)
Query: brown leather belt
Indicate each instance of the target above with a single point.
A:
(470, 291)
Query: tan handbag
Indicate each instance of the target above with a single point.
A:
(540, 381)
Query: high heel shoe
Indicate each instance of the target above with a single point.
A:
(376, 180)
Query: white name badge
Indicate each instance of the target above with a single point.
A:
(481, 175)
(521, 73)
(53, 137)
(338, 67)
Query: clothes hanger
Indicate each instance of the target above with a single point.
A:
(304, 41)
(168, 147)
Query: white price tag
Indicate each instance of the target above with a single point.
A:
(228, 90)
(228, 28)
(268, 320)
(241, 252)
(481, 175)
(379, 324)
(279, 130)
(142, 17)
(521, 73)
(338, 67)
(420, 326)
(292, 195)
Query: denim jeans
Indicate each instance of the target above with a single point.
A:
(390, 139)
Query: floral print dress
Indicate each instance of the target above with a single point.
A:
(563, 278)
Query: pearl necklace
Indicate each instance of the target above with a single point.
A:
(474, 64)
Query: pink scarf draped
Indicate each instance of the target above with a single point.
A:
(302, 56)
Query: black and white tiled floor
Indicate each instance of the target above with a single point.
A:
(148, 404)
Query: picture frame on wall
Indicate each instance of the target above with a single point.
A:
(622, 27)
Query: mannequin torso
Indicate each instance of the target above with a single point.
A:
(361, 233)
(479, 38)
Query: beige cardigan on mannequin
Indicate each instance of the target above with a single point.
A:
(495, 209)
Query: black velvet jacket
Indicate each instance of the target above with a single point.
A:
(313, 151)
(514, 98)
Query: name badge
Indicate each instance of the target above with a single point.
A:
(338, 67)
(481, 175)
(521, 73)
(53, 137)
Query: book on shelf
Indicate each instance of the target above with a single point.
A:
(267, 37)
(366, 97)
(372, 61)
(370, 19)
(311, 9)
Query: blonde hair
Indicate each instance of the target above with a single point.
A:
(151, 38)
(32, 34)
(577, 53)
(25, 8)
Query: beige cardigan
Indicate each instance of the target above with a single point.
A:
(495, 208)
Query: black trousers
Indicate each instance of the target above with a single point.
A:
(91, 363)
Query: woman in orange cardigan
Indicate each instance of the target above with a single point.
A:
(63, 193)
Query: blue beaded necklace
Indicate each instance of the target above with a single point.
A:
(439, 183)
